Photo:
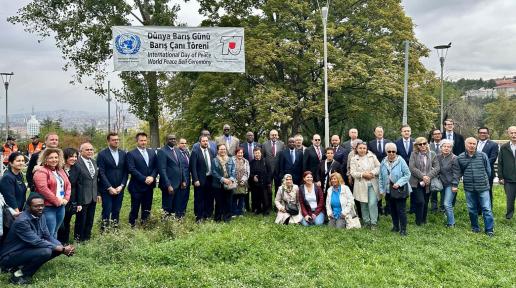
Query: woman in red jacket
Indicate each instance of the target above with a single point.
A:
(52, 183)
(311, 200)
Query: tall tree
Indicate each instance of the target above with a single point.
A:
(82, 30)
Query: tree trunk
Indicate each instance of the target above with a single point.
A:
(153, 117)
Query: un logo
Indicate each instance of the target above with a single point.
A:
(127, 44)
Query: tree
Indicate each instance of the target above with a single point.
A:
(500, 115)
(283, 84)
(82, 30)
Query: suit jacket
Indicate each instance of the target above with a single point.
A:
(323, 175)
(87, 189)
(458, 142)
(491, 149)
(110, 174)
(340, 153)
(287, 167)
(198, 165)
(272, 160)
(311, 160)
(169, 168)
(434, 148)
(400, 147)
(139, 170)
(373, 147)
(235, 143)
(347, 144)
(246, 149)
(211, 144)
(185, 166)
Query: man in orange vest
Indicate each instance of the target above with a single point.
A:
(35, 146)
(8, 148)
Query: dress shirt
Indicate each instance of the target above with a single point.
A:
(207, 160)
(481, 145)
(114, 153)
(145, 155)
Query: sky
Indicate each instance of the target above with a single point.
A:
(482, 33)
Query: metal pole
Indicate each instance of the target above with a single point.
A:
(326, 113)
(405, 90)
(6, 112)
(109, 107)
(441, 59)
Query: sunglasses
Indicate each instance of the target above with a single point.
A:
(393, 152)
(421, 144)
(317, 139)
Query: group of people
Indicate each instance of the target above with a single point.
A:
(343, 185)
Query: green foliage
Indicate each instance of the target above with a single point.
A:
(254, 252)
(500, 115)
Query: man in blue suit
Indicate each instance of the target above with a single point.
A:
(170, 174)
(291, 162)
(183, 194)
(248, 147)
(112, 180)
(211, 144)
(491, 149)
(142, 164)
(200, 167)
(404, 146)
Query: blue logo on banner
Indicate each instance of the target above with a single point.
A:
(127, 43)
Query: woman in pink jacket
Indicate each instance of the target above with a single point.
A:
(52, 183)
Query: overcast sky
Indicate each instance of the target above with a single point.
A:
(482, 32)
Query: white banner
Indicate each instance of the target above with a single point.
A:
(199, 49)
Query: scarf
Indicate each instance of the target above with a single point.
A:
(223, 160)
(240, 168)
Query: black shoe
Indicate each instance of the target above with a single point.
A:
(22, 280)
(450, 225)
(394, 229)
(403, 233)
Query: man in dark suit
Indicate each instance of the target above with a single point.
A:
(51, 141)
(491, 149)
(377, 146)
(353, 136)
(112, 180)
(200, 167)
(87, 192)
(338, 150)
(313, 155)
(170, 174)
(404, 147)
(183, 194)
(211, 144)
(291, 162)
(271, 150)
(248, 147)
(326, 168)
(142, 164)
(435, 144)
(450, 134)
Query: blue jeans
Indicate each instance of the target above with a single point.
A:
(449, 196)
(54, 217)
(476, 201)
(319, 220)
(237, 207)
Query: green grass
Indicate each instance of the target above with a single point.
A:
(254, 252)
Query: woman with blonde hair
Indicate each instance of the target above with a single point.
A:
(287, 202)
(423, 166)
(339, 202)
(51, 181)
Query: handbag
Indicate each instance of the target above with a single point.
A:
(292, 208)
(399, 193)
(231, 186)
(436, 184)
(352, 221)
(7, 217)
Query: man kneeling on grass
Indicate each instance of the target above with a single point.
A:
(29, 244)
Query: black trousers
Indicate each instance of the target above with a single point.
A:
(398, 213)
(203, 200)
(84, 222)
(421, 199)
(31, 259)
(141, 201)
(223, 201)
(260, 199)
(167, 201)
(387, 209)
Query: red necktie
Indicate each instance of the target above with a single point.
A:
(318, 153)
(273, 148)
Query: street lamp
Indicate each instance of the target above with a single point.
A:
(442, 51)
(108, 99)
(6, 78)
(324, 12)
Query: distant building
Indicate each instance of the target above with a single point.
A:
(480, 93)
(32, 126)
(506, 88)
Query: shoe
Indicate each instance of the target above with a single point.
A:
(20, 280)
(450, 225)
(374, 227)
(403, 233)
(394, 229)
(490, 234)
(475, 231)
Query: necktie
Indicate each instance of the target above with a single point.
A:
(318, 152)
(91, 168)
(450, 136)
(145, 156)
(437, 148)
(273, 148)
(293, 156)
(250, 151)
(336, 148)
(380, 146)
(186, 157)
(407, 143)
(206, 160)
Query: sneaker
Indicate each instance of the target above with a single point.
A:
(374, 227)
(490, 234)
(19, 279)
(403, 233)
(475, 230)
(450, 225)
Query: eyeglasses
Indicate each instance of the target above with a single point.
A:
(317, 139)
(421, 144)
(393, 152)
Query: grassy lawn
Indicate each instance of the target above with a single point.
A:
(254, 252)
